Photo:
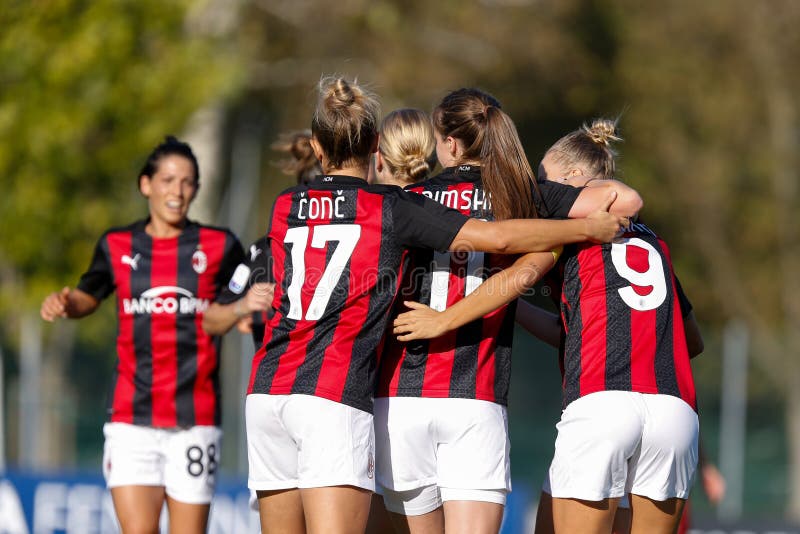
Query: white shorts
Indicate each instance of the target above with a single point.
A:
(302, 441)
(458, 446)
(611, 443)
(184, 461)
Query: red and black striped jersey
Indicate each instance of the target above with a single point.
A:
(622, 311)
(338, 246)
(257, 268)
(473, 361)
(167, 370)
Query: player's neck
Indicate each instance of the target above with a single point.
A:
(356, 171)
(164, 230)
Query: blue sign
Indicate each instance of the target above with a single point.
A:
(81, 504)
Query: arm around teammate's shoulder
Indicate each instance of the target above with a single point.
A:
(627, 204)
(516, 236)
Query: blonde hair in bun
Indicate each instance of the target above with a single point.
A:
(345, 122)
(590, 147)
(406, 143)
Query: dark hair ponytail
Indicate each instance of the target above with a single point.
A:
(489, 135)
(506, 173)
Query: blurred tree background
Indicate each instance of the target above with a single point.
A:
(706, 93)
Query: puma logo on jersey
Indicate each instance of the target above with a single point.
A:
(133, 262)
(254, 252)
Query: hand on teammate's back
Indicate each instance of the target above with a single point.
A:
(421, 322)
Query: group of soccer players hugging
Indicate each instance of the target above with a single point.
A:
(383, 302)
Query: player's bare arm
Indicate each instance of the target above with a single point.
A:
(423, 322)
(219, 318)
(694, 339)
(68, 303)
(518, 236)
(627, 204)
(539, 322)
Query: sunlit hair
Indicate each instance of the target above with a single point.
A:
(169, 147)
(406, 143)
(345, 122)
(302, 163)
(589, 147)
(489, 136)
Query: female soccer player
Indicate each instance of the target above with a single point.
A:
(338, 245)
(162, 438)
(629, 423)
(441, 431)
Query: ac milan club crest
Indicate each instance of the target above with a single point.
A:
(199, 261)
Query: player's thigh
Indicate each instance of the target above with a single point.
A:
(192, 461)
(577, 516)
(429, 523)
(379, 521)
(474, 513)
(649, 516)
(597, 435)
(405, 442)
(185, 518)
(667, 461)
(281, 512)
(336, 509)
(138, 508)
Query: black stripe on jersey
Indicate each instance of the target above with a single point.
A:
(666, 377)
(269, 364)
(502, 355)
(465, 360)
(412, 370)
(573, 321)
(360, 381)
(465, 353)
(143, 377)
(618, 329)
(186, 329)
